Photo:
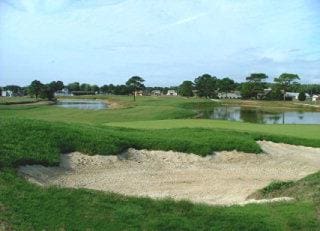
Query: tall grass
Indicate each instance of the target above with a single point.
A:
(26, 141)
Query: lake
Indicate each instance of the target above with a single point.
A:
(82, 104)
(256, 115)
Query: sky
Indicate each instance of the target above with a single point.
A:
(163, 41)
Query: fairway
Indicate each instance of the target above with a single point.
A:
(294, 130)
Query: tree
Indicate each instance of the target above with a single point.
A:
(104, 89)
(226, 85)
(285, 80)
(56, 85)
(85, 87)
(47, 91)
(185, 89)
(35, 88)
(246, 90)
(276, 93)
(17, 90)
(206, 86)
(254, 86)
(74, 86)
(134, 84)
(95, 88)
(302, 96)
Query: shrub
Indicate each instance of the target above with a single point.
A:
(302, 96)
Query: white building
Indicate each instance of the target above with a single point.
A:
(315, 98)
(63, 92)
(172, 93)
(6, 93)
(295, 95)
(230, 95)
(156, 92)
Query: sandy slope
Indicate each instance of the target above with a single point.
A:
(223, 178)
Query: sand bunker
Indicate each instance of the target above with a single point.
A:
(224, 178)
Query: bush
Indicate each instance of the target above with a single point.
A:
(302, 96)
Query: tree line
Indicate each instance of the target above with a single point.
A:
(206, 85)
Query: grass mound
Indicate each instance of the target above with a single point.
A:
(307, 188)
(31, 141)
(29, 207)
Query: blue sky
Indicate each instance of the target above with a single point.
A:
(164, 41)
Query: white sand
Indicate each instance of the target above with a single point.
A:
(224, 178)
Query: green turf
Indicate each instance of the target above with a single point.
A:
(145, 108)
(25, 206)
(38, 134)
(293, 130)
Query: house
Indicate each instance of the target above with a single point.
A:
(139, 93)
(230, 95)
(295, 95)
(156, 92)
(315, 98)
(6, 93)
(63, 92)
(172, 93)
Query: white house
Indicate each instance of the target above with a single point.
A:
(172, 93)
(230, 95)
(63, 92)
(295, 95)
(315, 98)
(6, 93)
(156, 92)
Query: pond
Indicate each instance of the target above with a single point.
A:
(82, 104)
(255, 115)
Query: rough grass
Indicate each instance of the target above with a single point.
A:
(24, 141)
(307, 188)
(17, 100)
(30, 207)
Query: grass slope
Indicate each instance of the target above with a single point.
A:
(25, 206)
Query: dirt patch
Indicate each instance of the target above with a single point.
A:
(113, 104)
(224, 178)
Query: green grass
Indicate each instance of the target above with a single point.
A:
(25, 141)
(29, 207)
(301, 131)
(38, 134)
(307, 188)
(145, 108)
(16, 100)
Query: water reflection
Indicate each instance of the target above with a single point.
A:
(252, 115)
(82, 104)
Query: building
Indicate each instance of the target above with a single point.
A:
(172, 93)
(230, 95)
(139, 93)
(315, 98)
(6, 93)
(156, 92)
(63, 92)
(295, 95)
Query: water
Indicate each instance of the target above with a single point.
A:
(82, 104)
(253, 115)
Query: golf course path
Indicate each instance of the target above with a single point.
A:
(224, 178)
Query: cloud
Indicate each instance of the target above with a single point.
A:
(179, 22)
(166, 41)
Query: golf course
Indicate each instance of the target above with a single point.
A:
(128, 140)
